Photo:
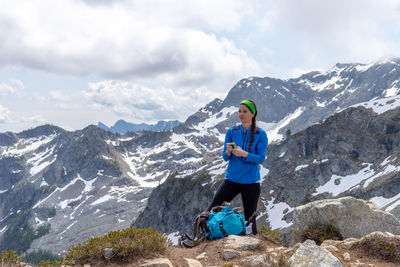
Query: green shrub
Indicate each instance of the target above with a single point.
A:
(319, 233)
(9, 258)
(49, 263)
(271, 235)
(127, 244)
(377, 246)
(39, 255)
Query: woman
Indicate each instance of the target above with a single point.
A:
(245, 148)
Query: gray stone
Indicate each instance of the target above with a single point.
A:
(256, 260)
(161, 262)
(193, 263)
(350, 216)
(346, 256)
(241, 242)
(108, 253)
(380, 236)
(201, 256)
(349, 242)
(311, 255)
(228, 254)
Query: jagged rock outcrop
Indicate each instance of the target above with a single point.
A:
(351, 217)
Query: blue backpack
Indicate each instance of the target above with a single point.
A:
(224, 223)
(220, 222)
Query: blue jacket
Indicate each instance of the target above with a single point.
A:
(245, 170)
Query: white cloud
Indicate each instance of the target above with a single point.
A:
(4, 114)
(126, 39)
(143, 103)
(11, 87)
(36, 119)
(318, 34)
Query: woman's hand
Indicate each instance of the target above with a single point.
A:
(229, 149)
(239, 152)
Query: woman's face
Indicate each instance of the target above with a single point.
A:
(245, 114)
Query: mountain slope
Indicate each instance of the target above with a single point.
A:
(55, 184)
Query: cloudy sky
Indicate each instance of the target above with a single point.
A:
(77, 62)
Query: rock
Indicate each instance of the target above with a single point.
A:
(256, 260)
(379, 235)
(107, 253)
(311, 255)
(349, 242)
(346, 256)
(241, 242)
(330, 242)
(228, 254)
(201, 256)
(330, 248)
(193, 263)
(350, 216)
(157, 263)
(86, 265)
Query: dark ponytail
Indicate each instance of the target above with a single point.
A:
(253, 126)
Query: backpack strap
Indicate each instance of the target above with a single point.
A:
(200, 232)
(221, 228)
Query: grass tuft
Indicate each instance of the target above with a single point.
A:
(382, 247)
(319, 233)
(127, 245)
(269, 234)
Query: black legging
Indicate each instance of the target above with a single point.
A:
(228, 190)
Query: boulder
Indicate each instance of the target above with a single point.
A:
(193, 263)
(311, 255)
(241, 242)
(256, 260)
(350, 216)
(229, 254)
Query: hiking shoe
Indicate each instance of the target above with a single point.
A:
(187, 243)
(254, 227)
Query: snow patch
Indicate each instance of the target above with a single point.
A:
(301, 167)
(381, 105)
(387, 204)
(275, 213)
(24, 146)
(263, 173)
(174, 237)
(273, 134)
(346, 182)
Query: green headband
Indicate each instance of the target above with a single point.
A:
(250, 105)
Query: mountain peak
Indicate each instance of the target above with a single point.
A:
(46, 129)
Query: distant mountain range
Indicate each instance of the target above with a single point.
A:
(58, 188)
(123, 127)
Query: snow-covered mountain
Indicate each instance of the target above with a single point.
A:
(123, 127)
(58, 188)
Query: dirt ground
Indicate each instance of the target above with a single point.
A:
(213, 250)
